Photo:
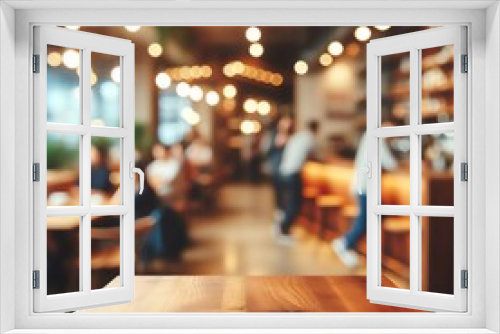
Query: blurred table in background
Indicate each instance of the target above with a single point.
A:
(250, 294)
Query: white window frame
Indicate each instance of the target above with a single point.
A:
(87, 44)
(483, 102)
(414, 43)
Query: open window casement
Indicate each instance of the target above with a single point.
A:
(81, 130)
(413, 129)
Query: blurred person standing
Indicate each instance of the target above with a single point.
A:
(297, 150)
(273, 148)
(344, 246)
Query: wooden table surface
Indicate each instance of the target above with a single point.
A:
(250, 294)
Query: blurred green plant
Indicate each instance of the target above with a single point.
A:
(61, 154)
(143, 137)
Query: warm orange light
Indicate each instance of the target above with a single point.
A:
(256, 50)
(229, 91)
(155, 50)
(326, 59)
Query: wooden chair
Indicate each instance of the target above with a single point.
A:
(107, 255)
(312, 178)
(337, 188)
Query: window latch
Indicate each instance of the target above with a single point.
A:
(368, 171)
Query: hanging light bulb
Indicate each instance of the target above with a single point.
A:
(54, 59)
(229, 91)
(155, 50)
(212, 98)
(362, 33)
(196, 93)
(335, 48)
(71, 58)
(301, 67)
(264, 107)
(326, 59)
(253, 34)
(183, 89)
(250, 106)
(163, 80)
(256, 50)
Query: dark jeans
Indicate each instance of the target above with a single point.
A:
(358, 228)
(278, 191)
(291, 186)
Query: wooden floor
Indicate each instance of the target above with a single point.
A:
(238, 239)
(249, 294)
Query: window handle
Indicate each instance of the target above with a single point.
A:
(133, 170)
(368, 171)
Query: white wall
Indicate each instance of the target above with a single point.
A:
(7, 161)
(492, 167)
(330, 97)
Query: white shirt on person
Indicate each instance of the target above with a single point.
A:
(387, 162)
(298, 148)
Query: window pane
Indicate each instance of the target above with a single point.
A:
(105, 234)
(106, 94)
(63, 156)
(105, 158)
(395, 252)
(395, 165)
(437, 169)
(63, 259)
(395, 84)
(437, 84)
(63, 85)
(437, 254)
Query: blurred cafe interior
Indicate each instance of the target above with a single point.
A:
(220, 114)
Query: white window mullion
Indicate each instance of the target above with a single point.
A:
(85, 236)
(373, 184)
(127, 105)
(414, 167)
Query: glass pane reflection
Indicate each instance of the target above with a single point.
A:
(63, 85)
(106, 95)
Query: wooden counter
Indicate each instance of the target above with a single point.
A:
(250, 294)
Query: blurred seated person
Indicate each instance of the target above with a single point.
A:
(344, 246)
(99, 176)
(168, 236)
(166, 175)
(297, 150)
